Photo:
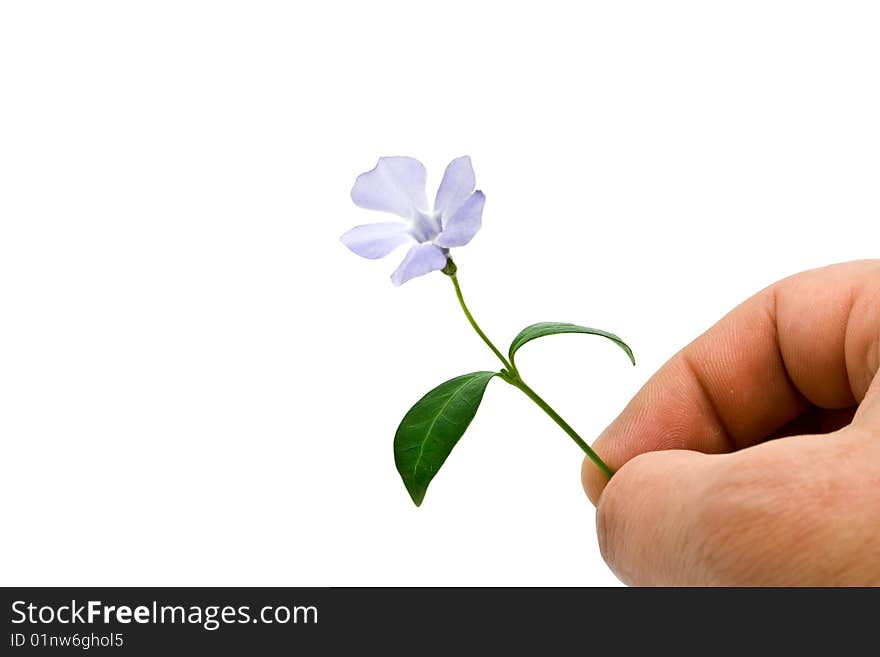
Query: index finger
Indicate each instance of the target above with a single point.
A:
(812, 338)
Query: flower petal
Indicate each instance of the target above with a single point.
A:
(464, 224)
(376, 240)
(395, 184)
(419, 260)
(457, 184)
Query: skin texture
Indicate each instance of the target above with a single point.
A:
(752, 457)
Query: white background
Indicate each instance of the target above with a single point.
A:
(199, 384)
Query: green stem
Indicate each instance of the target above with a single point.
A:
(512, 376)
(476, 326)
(566, 427)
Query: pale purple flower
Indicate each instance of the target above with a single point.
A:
(397, 185)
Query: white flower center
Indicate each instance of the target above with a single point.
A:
(425, 226)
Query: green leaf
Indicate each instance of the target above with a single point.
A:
(432, 427)
(535, 331)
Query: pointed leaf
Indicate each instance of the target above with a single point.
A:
(535, 331)
(432, 427)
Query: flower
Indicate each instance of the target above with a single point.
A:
(397, 185)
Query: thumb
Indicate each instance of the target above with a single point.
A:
(800, 510)
(645, 516)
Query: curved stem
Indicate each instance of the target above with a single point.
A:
(511, 375)
(476, 326)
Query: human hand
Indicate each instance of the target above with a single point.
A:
(703, 496)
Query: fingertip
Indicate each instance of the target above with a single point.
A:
(592, 478)
(613, 452)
